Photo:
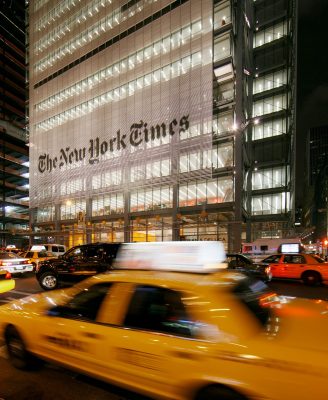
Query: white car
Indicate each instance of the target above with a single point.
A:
(14, 264)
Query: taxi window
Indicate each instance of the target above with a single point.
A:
(294, 259)
(272, 259)
(84, 305)
(61, 249)
(29, 254)
(55, 249)
(158, 309)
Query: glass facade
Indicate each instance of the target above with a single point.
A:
(140, 120)
(271, 174)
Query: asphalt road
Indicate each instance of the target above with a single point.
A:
(56, 383)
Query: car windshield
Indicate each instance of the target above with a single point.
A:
(43, 253)
(7, 255)
(257, 297)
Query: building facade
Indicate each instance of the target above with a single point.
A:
(315, 215)
(142, 119)
(14, 154)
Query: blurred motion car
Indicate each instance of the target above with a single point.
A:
(78, 263)
(309, 268)
(14, 264)
(174, 334)
(245, 265)
(6, 282)
(38, 256)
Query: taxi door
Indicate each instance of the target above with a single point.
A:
(156, 345)
(71, 333)
(276, 266)
(294, 265)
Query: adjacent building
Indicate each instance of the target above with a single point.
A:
(161, 120)
(315, 213)
(14, 154)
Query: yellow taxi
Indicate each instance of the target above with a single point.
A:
(6, 282)
(309, 268)
(37, 256)
(199, 335)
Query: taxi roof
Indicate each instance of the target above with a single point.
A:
(195, 256)
(223, 278)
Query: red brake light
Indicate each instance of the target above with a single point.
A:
(269, 300)
(71, 269)
(8, 275)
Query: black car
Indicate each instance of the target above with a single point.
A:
(244, 264)
(77, 263)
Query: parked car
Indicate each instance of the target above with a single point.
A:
(14, 264)
(77, 263)
(245, 265)
(38, 256)
(309, 268)
(56, 249)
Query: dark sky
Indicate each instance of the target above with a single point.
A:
(313, 63)
(312, 77)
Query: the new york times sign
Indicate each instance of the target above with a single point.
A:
(139, 133)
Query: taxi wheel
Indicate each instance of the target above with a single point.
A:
(18, 354)
(48, 281)
(219, 393)
(311, 278)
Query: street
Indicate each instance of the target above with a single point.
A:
(53, 382)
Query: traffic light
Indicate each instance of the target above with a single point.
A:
(298, 216)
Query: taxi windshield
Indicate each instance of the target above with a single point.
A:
(257, 297)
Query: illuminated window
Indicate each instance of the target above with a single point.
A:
(270, 34)
(116, 94)
(271, 204)
(269, 81)
(45, 214)
(222, 47)
(222, 14)
(108, 204)
(270, 105)
(214, 191)
(151, 199)
(223, 123)
(270, 178)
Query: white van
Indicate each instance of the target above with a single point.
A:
(55, 249)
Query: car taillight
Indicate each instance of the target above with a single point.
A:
(26, 261)
(8, 275)
(269, 300)
(267, 270)
(71, 269)
(5, 263)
